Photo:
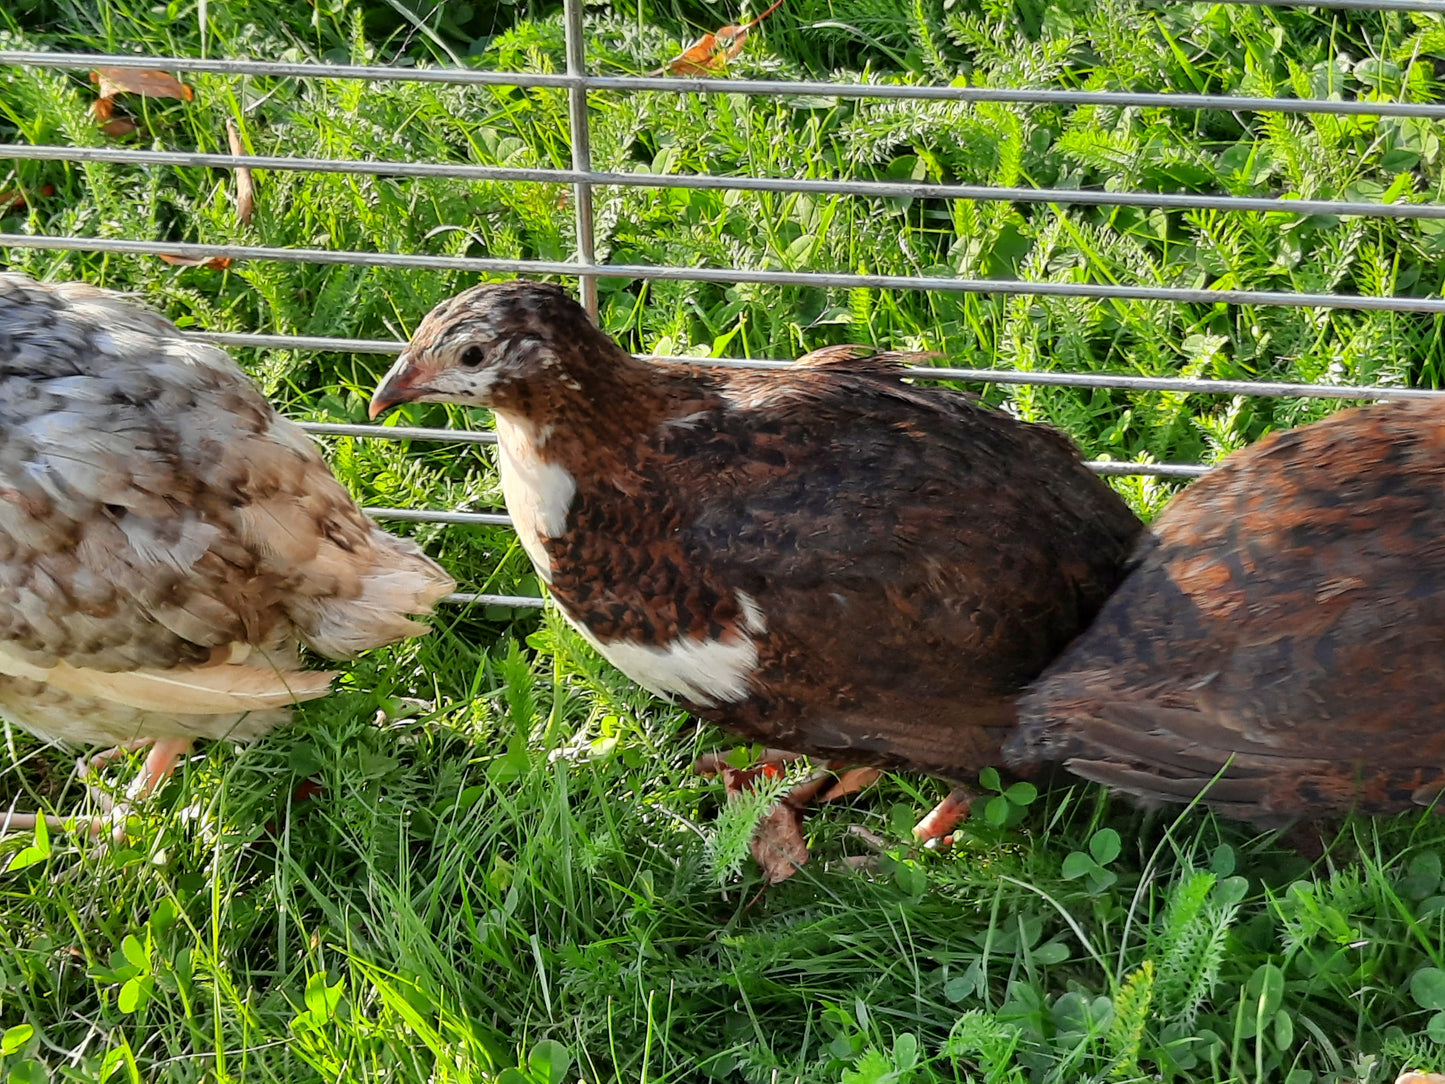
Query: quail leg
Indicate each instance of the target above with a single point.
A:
(25, 822)
(160, 764)
(84, 767)
(937, 824)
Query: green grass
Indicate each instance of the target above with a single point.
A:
(512, 867)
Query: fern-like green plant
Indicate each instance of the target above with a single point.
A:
(982, 1038)
(1189, 945)
(1132, 1003)
(727, 844)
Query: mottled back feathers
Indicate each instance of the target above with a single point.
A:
(1287, 611)
(159, 522)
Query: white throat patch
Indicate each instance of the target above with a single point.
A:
(538, 494)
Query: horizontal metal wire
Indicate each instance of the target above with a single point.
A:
(418, 515)
(1117, 381)
(1186, 385)
(525, 602)
(1147, 470)
(775, 87)
(399, 432)
(470, 518)
(501, 519)
(267, 341)
(837, 280)
(870, 189)
(489, 518)
(426, 515)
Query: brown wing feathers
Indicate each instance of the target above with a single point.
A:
(1284, 625)
(854, 566)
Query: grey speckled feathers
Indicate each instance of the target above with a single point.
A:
(167, 541)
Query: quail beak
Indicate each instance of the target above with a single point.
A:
(397, 386)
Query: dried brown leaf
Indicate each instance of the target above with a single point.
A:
(152, 84)
(809, 789)
(13, 199)
(696, 59)
(737, 780)
(215, 263)
(245, 187)
(119, 126)
(778, 844)
(851, 782)
(713, 763)
(711, 52)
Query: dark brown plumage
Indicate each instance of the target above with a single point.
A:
(1287, 610)
(822, 558)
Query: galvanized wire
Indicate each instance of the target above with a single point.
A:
(1117, 381)
(399, 432)
(516, 602)
(583, 179)
(427, 515)
(1264, 389)
(775, 87)
(838, 280)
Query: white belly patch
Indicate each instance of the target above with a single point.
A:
(705, 672)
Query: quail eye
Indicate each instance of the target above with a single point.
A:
(472, 357)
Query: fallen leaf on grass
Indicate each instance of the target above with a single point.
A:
(215, 263)
(151, 84)
(851, 782)
(711, 52)
(306, 790)
(119, 126)
(245, 188)
(778, 845)
(12, 199)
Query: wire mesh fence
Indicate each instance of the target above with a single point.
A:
(580, 85)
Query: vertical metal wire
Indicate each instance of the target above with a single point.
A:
(581, 152)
